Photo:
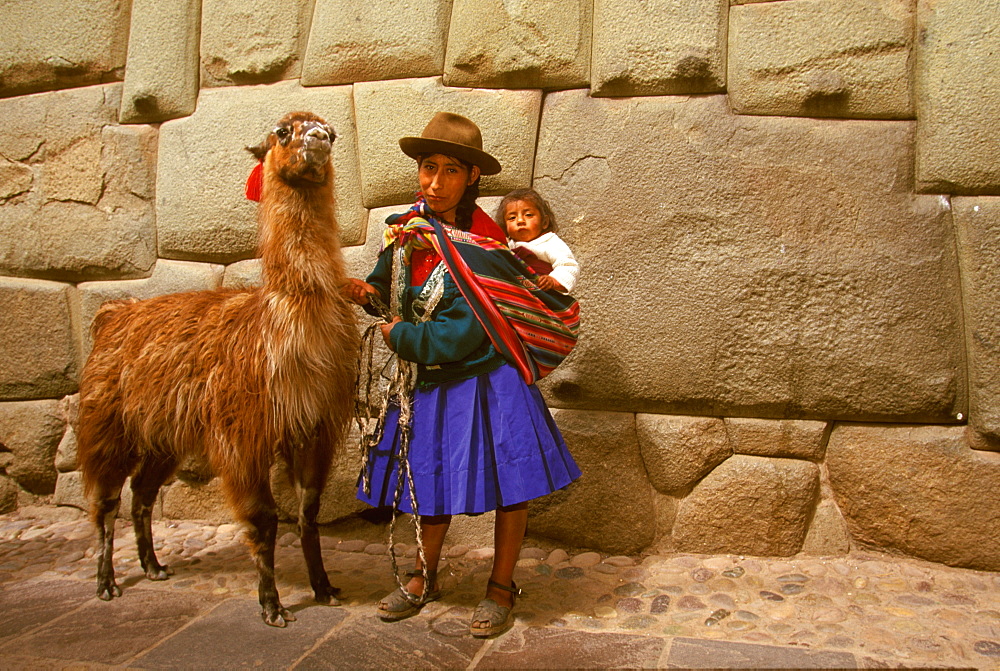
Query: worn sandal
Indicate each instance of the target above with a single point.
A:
(400, 604)
(499, 617)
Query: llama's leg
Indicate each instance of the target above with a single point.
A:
(258, 510)
(146, 485)
(309, 470)
(104, 509)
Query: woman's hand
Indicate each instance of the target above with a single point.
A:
(357, 291)
(546, 282)
(387, 328)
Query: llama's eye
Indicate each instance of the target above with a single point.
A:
(282, 133)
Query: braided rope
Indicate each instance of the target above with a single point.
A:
(400, 390)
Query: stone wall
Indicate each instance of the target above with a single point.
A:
(787, 213)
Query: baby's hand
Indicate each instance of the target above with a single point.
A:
(549, 284)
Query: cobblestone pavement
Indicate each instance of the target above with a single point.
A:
(580, 609)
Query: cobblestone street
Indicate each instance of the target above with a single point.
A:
(579, 609)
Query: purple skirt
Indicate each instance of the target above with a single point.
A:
(476, 445)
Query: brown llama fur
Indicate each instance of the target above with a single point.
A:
(240, 377)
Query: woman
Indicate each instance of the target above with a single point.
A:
(482, 439)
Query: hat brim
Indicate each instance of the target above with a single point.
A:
(414, 147)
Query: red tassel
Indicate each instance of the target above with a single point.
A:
(255, 182)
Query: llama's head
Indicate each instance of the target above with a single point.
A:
(299, 147)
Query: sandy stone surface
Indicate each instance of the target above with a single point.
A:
(958, 107)
(920, 490)
(814, 58)
(662, 47)
(161, 72)
(53, 44)
(365, 40)
(519, 45)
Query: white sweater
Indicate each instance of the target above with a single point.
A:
(550, 248)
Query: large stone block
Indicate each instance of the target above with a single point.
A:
(252, 42)
(919, 490)
(30, 431)
(519, 45)
(51, 44)
(36, 337)
(977, 221)
(749, 505)
(365, 40)
(790, 438)
(750, 266)
(202, 212)
(168, 277)
(206, 502)
(679, 451)
(958, 96)
(611, 507)
(822, 59)
(161, 72)
(659, 47)
(77, 198)
(508, 120)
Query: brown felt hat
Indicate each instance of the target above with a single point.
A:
(451, 135)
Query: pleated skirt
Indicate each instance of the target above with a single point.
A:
(476, 445)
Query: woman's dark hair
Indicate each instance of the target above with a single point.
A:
(530, 196)
(467, 205)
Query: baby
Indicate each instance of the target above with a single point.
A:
(530, 227)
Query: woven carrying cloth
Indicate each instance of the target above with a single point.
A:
(532, 328)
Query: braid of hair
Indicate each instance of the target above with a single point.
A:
(466, 206)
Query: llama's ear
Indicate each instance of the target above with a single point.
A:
(259, 151)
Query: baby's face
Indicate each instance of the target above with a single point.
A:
(523, 220)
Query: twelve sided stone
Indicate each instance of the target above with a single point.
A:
(920, 490)
(37, 339)
(519, 45)
(508, 121)
(661, 47)
(161, 73)
(202, 212)
(52, 44)
(611, 507)
(252, 43)
(368, 40)
(958, 106)
(820, 59)
(82, 205)
(977, 221)
(168, 277)
(749, 505)
(750, 266)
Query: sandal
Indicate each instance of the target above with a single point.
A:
(401, 604)
(499, 617)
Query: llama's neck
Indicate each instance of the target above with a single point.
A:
(299, 242)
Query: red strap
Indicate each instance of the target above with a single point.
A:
(255, 182)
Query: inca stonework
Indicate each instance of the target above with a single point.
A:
(787, 214)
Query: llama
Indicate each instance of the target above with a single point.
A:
(240, 377)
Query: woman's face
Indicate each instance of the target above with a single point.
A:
(443, 180)
(523, 220)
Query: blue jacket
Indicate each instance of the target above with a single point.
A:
(451, 345)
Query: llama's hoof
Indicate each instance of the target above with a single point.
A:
(108, 592)
(159, 573)
(327, 595)
(279, 618)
